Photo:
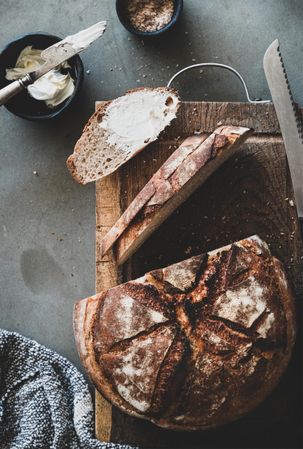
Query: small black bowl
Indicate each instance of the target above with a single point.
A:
(121, 7)
(23, 105)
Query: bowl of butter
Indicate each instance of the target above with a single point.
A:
(50, 95)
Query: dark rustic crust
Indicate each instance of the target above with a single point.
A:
(185, 385)
(168, 184)
(97, 116)
(154, 185)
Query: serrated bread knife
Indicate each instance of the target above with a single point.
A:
(54, 56)
(289, 119)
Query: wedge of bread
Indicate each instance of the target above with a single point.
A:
(183, 172)
(120, 129)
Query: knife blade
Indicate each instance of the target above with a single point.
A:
(289, 119)
(54, 56)
(68, 47)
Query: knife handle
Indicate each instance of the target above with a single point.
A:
(9, 91)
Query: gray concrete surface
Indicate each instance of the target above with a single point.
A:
(47, 221)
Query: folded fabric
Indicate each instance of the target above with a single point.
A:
(44, 400)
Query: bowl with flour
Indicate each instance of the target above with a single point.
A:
(147, 18)
(53, 93)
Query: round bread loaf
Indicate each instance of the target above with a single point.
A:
(194, 345)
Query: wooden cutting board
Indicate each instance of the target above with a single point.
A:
(250, 194)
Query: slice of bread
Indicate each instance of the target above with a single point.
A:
(183, 172)
(120, 129)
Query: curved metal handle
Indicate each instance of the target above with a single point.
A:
(222, 66)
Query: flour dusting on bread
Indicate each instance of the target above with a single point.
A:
(209, 337)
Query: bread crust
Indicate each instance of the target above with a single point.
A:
(194, 345)
(183, 172)
(88, 128)
(91, 131)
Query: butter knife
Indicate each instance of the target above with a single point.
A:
(289, 119)
(54, 56)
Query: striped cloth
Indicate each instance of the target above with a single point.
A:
(44, 401)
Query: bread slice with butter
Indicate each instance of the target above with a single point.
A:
(120, 129)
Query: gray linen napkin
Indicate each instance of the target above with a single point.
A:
(44, 401)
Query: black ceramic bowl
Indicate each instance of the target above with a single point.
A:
(23, 104)
(121, 7)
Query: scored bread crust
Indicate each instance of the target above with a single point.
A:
(91, 138)
(183, 172)
(194, 345)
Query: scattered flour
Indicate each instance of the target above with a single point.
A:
(266, 325)
(244, 304)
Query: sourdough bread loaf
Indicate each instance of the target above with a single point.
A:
(194, 345)
(181, 174)
(120, 129)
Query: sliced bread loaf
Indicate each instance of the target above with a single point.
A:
(120, 129)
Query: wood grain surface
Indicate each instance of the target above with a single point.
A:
(250, 194)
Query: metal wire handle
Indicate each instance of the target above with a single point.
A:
(223, 66)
